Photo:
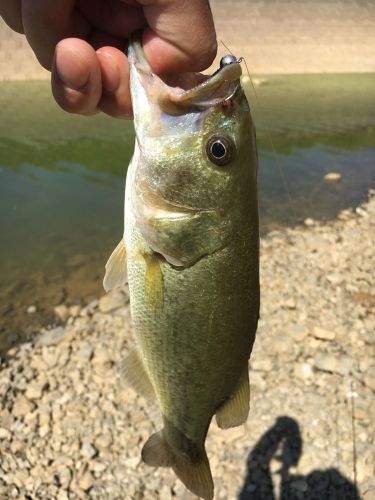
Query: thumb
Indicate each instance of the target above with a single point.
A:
(180, 35)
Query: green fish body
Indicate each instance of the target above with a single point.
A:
(191, 255)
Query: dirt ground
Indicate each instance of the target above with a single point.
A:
(275, 36)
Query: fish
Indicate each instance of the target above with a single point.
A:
(190, 255)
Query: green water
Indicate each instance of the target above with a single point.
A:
(62, 180)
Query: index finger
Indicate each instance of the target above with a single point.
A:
(45, 23)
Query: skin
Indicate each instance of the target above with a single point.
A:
(82, 42)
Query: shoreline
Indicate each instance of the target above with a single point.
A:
(70, 429)
(274, 37)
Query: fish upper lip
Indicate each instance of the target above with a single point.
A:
(202, 90)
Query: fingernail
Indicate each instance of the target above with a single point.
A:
(71, 68)
(110, 73)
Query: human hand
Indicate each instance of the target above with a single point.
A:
(82, 42)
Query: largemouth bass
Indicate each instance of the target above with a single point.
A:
(190, 253)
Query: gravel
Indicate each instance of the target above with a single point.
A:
(70, 429)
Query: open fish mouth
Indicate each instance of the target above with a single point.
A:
(186, 92)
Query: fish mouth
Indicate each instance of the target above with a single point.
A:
(186, 92)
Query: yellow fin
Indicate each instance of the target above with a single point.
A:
(116, 273)
(154, 286)
(196, 475)
(235, 410)
(134, 372)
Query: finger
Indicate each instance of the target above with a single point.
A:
(175, 42)
(46, 23)
(10, 11)
(114, 67)
(76, 77)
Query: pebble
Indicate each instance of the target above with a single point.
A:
(103, 441)
(52, 337)
(31, 310)
(303, 371)
(86, 481)
(35, 390)
(74, 310)
(113, 300)
(88, 450)
(22, 407)
(71, 428)
(325, 362)
(332, 177)
(309, 222)
(322, 334)
(62, 312)
(5, 433)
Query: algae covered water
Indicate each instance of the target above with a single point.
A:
(62, 179)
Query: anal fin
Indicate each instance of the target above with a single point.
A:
(134, 372)
(235, 410)
(116, 273)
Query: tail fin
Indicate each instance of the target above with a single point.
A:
(196, 475)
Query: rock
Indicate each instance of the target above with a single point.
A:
(309, 222)
(85, 353)
(344, 364)
(86, 481)
(303, 371)
(35, 390)
(74, 310)
(335, 278)
(31, 310)
(298, 332)
(132, 462)
(290, 303)
(87, 450)
(17, 446)
(103, 441)
(62, 495)
(61, 312)
(44, 430)
(113, 300)
(261, 365)
(65, 476)
(325, 362)
(22, 407)
(332, 177)
(52, 337)
(369, 378)
(5, 433)
(322, 334)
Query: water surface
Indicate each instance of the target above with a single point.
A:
(62, 180)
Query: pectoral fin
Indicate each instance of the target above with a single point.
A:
(235, 410)
(134, 372)
(116, 273)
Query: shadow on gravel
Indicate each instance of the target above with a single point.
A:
(283, 442)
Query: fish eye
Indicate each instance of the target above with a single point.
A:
(220, 150)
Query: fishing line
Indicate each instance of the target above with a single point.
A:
(269, 138)
(354, 441)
